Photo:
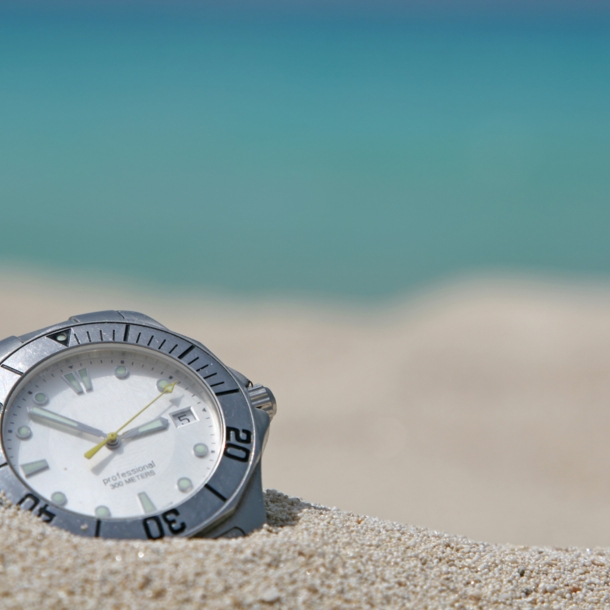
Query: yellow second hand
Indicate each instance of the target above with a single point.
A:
(112, 436)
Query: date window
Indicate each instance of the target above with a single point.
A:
(184, 417)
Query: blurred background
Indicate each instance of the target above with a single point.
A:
(395, 214)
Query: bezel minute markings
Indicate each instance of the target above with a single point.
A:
(203, 504)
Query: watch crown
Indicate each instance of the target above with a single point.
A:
(262, 398)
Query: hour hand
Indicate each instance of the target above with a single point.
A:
(156, 425)
(49, 417)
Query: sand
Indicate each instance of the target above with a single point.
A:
(479, 408)
(306, 557)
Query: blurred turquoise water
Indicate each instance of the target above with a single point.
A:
(346, 159)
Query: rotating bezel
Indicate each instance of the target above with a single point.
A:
(202, 511)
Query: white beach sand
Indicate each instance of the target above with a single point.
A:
(306, 557)
(479, 408)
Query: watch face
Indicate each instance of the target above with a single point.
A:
(168, 424)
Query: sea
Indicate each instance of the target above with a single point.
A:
(320, 157)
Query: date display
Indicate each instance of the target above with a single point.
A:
(184, 417)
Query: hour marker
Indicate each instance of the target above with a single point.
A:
(23, 432)
(121, 372)
(162, 384)
(59, 499)
(102, 512)
(71, 380)
(34, 467)
(40, 398)
(200, 450)
(185, 484)
(75, 382)
(84, 376)
(146, 502)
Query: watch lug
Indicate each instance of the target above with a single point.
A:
(241, 378)
(43, 331)
(115, 316)
(262, 422)
(248, 516)
(98, 316)
(8, 345)
(139, 318)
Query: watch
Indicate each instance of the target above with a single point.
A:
(114, 426)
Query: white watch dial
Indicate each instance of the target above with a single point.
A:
(69, 404)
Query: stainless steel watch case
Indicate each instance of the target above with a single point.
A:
(229, 504)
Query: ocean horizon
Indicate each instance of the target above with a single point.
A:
(345, 158)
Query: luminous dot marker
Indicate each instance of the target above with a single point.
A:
(185, 484)
(102, 512)
(23, 432)
(162, 384)
(59, 499)
(121, 372)
(200, 450)
(146, 502)
(34, 467)
(40, 398)
(61, 337)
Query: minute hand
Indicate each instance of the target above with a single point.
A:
(46, 416)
